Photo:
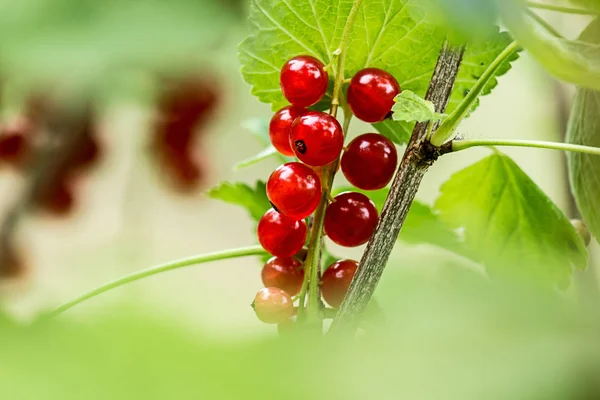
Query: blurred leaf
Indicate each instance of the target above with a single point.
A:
(584, 129)
(259, 127)
(393, 35)
(464, 19)
(263, 155)
(510, 223)
(573, 61)
(587, 4)
(423, 225)
(252, 199)
(81, 41)
(409, 107)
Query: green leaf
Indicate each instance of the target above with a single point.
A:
(587, 4)
(259, 128)
(263, 155)
(409, 107)
(574, 61)
(252, 199)
(423, 225)
(510, 224)
(397, 132)
(584, 129)
(392, 34)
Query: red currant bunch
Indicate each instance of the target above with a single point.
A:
(185, 105)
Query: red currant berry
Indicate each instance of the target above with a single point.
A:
(295, 190)
(58, 199)
(336, 280)
(273, 305)
(370, 161)
(280, 235)
(303, 81)
(279, 128)
(284, 273)
(15, 141)
(350, 219)
(317, 138)
(371, 94)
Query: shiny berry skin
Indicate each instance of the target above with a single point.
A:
(350, 219)
(273, 305)
(370, 161)
(336, 280)
(316, 138)
(284, 273)
(303, 81)
(279, 128)
(280, 235)
(371, 94)
(295, 190)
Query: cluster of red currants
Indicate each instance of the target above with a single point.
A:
(295, 189)
(18, 145)
(184, 106)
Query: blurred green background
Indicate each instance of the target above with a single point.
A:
(191, 333)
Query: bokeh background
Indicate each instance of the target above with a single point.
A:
(127, 216)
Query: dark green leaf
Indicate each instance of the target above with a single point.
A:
(252, 199)
(510, 224)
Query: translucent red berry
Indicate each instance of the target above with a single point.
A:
(273, 305)
(350, 219)
(284, 273)
(370, 161)
(279, 128)
(303, 81)
(316, 138)
(294, 189)
(371, 94)
(280, 235)
(336, 281)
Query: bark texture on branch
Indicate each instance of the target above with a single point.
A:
(418, 157)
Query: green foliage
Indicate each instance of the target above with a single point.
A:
(510, 224)
(409, 107)
(401, 41)
(253, 199)
(584, 129)
(574, 61)
(587, 4)
(83, 42)
(259, 128)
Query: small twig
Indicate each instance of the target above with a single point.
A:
(419, 155)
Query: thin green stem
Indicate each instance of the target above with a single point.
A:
(561, 9)
(458, 145)
(542, 22)
(312, 267)
(184, 262)
(447, 129)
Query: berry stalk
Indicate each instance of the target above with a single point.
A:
(313, 258)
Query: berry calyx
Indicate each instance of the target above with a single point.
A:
(303, 81)
(316, 138)
(281, 236)
(350, 219)
(273, 305)
(295, 190)
(279, 128)
(370, 161)
(336, 280)
(284, 273)
(371, 94)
